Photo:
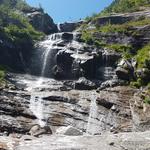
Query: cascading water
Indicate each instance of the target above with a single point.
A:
(48, 49)
(36, 106)
(92, 126)
(36, 102)
(48, 46)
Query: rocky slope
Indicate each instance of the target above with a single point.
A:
(90, 94)
(67, 107)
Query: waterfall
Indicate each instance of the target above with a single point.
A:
(58, 27)
(92, 126)
(107, 70)
(47, 47)
(36, 106)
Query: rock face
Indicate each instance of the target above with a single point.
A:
(41, 21)
(69, 58)
(125, 70)
(140, 113)
(16, 54)
(121, 18)
(88, 111)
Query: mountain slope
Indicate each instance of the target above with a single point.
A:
(126, 32)
(121, 6)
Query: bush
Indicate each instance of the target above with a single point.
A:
(147, 100)
(143, 56)
(87, 37)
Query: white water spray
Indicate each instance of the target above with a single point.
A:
(48, 45)
(36, 101)
(92, 126)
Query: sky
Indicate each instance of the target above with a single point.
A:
(70, 10)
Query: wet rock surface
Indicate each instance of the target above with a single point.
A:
(52, 104)
(107, 141)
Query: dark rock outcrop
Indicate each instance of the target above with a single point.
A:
(121, 18)
(125, 70)
(140, 113)
(69, 26)
(76, 59)
(18, 55)
(41, 21)
(36, 130)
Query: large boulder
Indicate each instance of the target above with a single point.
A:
(69, 26)
(125, 69)
(69, 130)
(36, 130)
(64, 63)
(67, 36)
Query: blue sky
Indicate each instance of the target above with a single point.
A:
(70, 10)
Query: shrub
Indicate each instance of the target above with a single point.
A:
(125, 6)
(143, 56)
(147, 100)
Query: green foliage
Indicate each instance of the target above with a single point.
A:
(147, 100)
(118, 47)
(15, 4)
(124, 28)
(138, 83)
(15, 25)
(87, 37)
(126, 6)
(21, 5)
(143, 56)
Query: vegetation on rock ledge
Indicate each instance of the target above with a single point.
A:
(97, 34)
(14, 25)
